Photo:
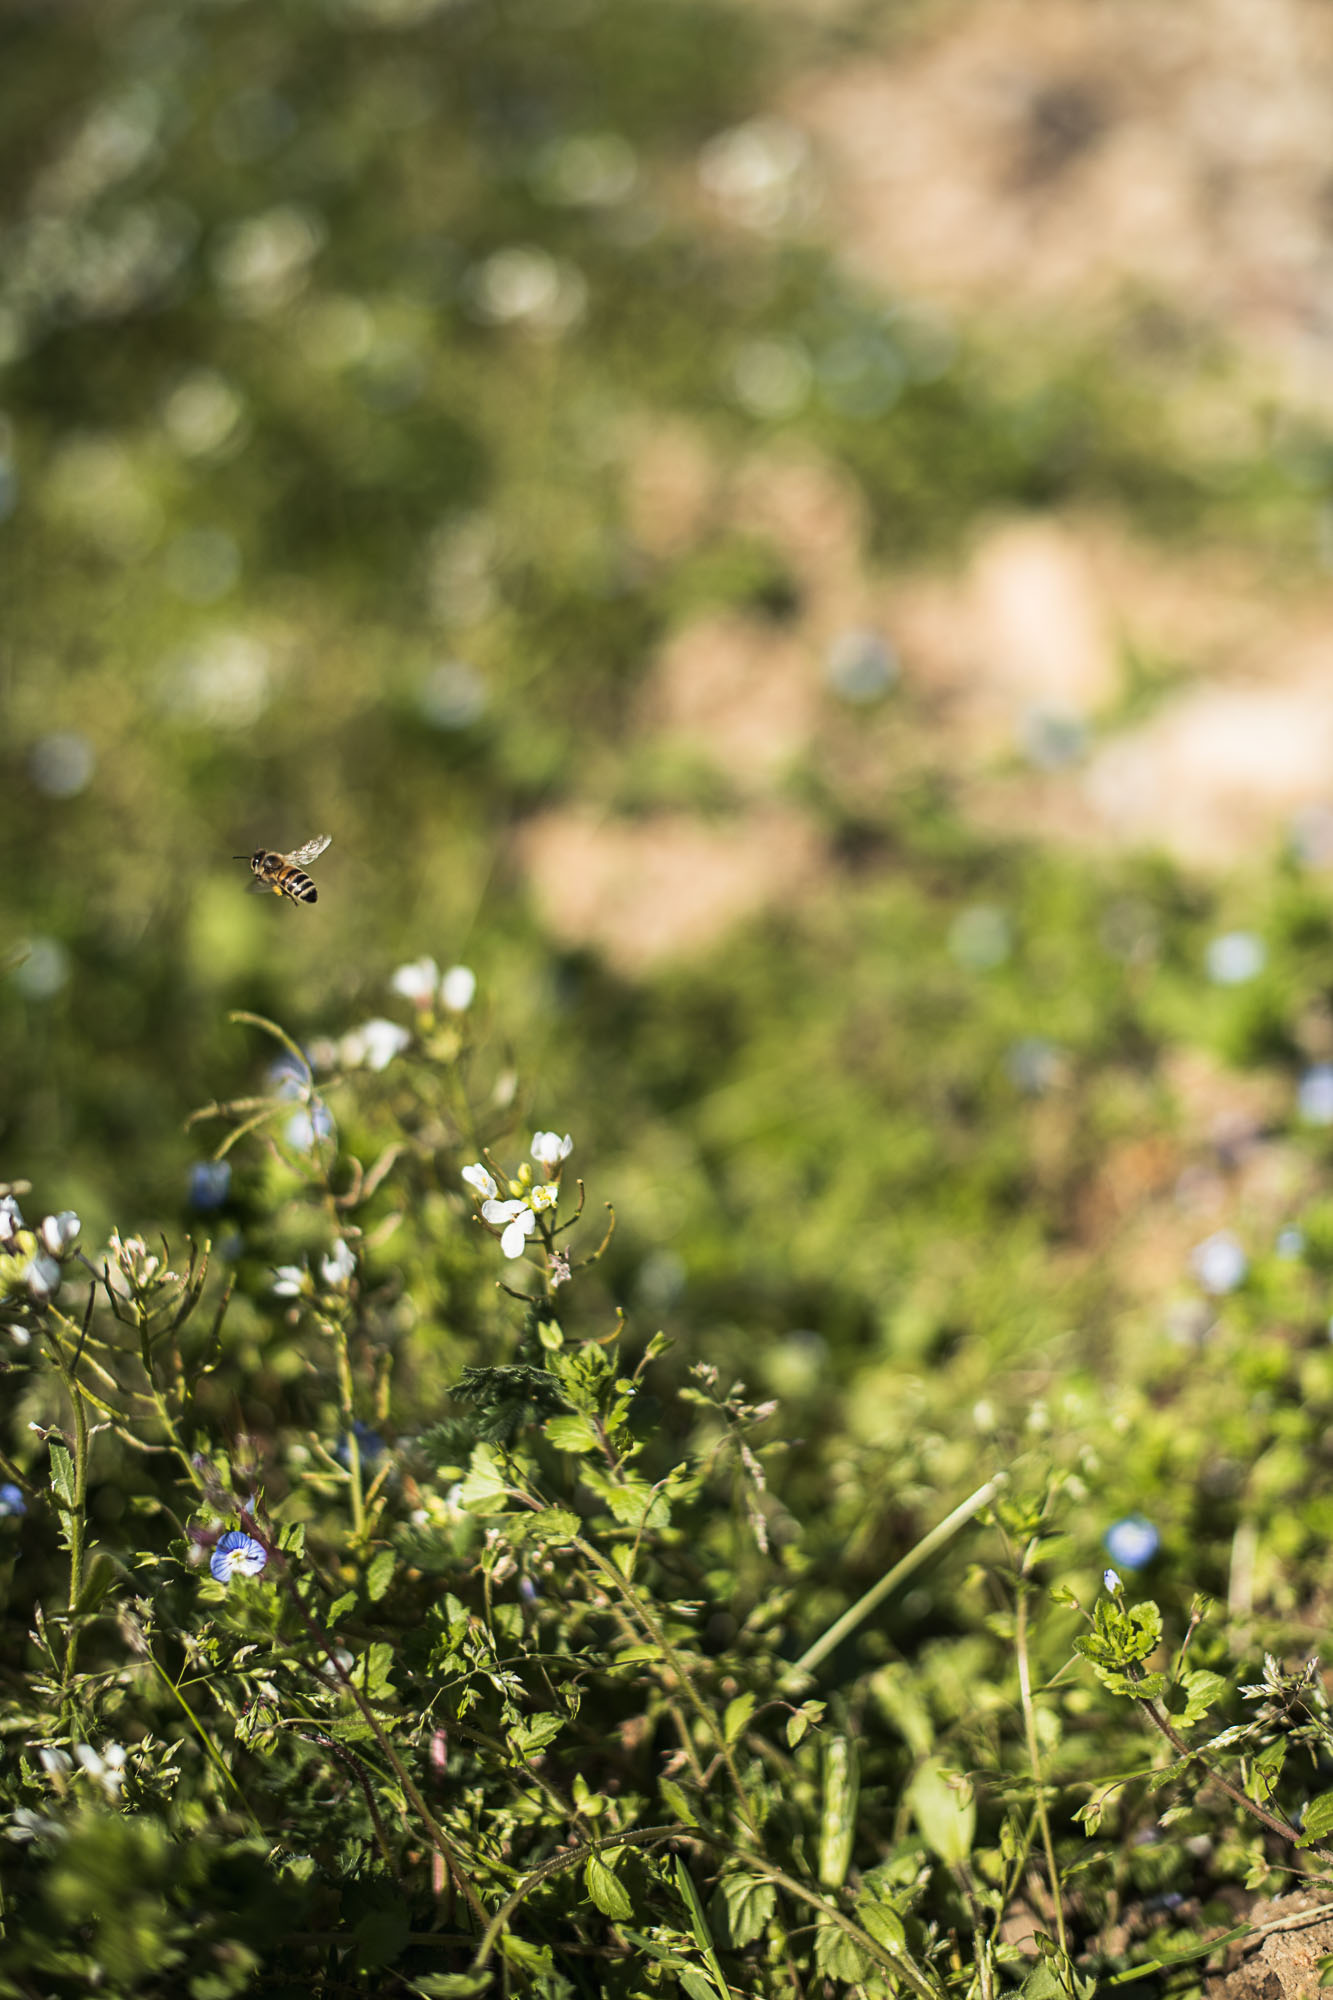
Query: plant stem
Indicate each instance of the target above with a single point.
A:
(861, 1610)
(1034, 1747)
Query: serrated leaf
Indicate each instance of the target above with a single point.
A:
(571, 1434)
(529, 1737)
(62, 1472)
(839, 1956)
(340, 1607)
(1202, 1690)
(610, 1895)
(380, 1575)
(747, 1904)
(737, 1716)
(554, 1527)
(485, 1482)
(292, 1539)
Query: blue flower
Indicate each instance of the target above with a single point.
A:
(1132, 1542)
(12, 1500)
(210, 1184)
(306, 1128)
(369, 1444)
(237, 1554)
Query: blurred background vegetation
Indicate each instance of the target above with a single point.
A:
(532, 444)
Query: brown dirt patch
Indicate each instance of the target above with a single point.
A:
(662, 887)
(1283, 1965)
(1031, 153)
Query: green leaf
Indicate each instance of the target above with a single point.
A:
(737, 1716)
(554, 1526)
(98, 1583)
(571, 1434)
(841, 1957)
(806, 1716)
(379, 1937)
(942, 1804)
(676, 1801)
(882, 1922)
(451, 1985)
(528, 1737)
(747, 1904)
(610, 1896)
(340, 1607)
(62, 1472)
(379, 1575)
(1202, 1691)
(485, 1482)
(1317, 1819)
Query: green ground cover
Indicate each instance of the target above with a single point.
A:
(327, 331)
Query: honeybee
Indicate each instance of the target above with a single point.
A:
(285, 874)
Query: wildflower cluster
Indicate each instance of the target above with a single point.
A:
(33, 1261)
(530, 1204)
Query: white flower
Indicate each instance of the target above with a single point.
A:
(374, 1043)
(1235, 957)
(549, 1149)
(1112, 1582)
(107, 1766)
(289, 1281)
(1220, 1263)
(477, 1177)
(417, 981)
(56, 1763)
(11, 1221)
(540, 1198)
(132, 1256)
(457, 988)
(519, 1223)
(59, 1231)
(338, 1268)
(42, 1278)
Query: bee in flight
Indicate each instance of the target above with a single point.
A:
(285, 874)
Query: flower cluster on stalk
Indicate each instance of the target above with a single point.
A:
(514, 1217)
(32, 1260)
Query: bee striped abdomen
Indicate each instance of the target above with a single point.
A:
(280, 873)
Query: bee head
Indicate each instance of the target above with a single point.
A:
(251, 858)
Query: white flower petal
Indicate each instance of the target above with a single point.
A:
(477, 1178)
(457, 988)
(516, 1235)
(417, 981)
(502, 1211)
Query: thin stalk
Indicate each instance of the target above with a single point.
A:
(345, 1398)
(861, 1610)
(1034, 1749)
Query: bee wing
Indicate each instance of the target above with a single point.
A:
(299, 856)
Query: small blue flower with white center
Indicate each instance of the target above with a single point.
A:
(237, 1554)
(1132, 1542)
(12, 1501)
